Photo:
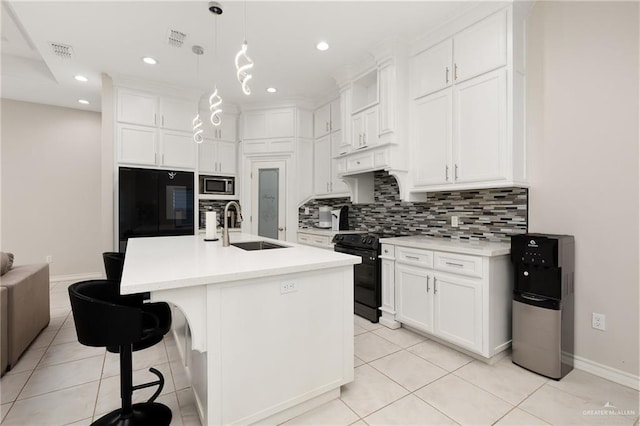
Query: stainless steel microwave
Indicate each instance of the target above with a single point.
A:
(217, 185)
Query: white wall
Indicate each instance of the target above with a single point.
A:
(582, 71)
(51, 191)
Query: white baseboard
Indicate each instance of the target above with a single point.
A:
(76, 277)
(606, 372)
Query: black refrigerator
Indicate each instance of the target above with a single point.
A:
(154, 203)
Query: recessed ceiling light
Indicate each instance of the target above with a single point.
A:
(81, 78)
(272, 90)
(149, 60)
(83, 101)
(323, 45)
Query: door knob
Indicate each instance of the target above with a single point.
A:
(281, 229)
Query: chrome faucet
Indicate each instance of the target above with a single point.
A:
(225, 228)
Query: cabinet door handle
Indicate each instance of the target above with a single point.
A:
(456, 172)
(163, 121)
(455, 71)
(413, 257)
(155, 119)
(435, 285)
(447, 75)
(326, 126)
(446, 173)
(330, 186)
(427, 283)
(327, 186)
(163, 159)
(364, 138)
(459, 265)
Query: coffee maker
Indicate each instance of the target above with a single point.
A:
(340, 219)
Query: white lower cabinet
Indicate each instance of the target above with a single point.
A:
(457, 308)
(461, 299)
(414, 296)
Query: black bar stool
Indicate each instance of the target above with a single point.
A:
(104, 318)
(113, 265)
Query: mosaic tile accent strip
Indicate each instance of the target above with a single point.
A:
(484, 214)
(215, 205)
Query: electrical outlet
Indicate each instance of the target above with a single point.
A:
(598, 321)
(455, 222)
(49, 259)
(288, 288)
(306, 210)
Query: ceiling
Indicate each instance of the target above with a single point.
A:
(111, 37)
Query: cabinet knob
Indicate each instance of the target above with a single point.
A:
(456, 172)
(280, 229)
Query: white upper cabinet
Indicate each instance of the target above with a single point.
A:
(364, 127)
(432, 139)
(322, 121)
(266, 124)
(226, 131)
(481, 47)
(217, 157)
(335, 116)
(322, 165)
(465, 129)
(137, 108)
(178, 150)
(328, 144)
(327, 119)
(479, 148)
(177, 114)
(431, 69)
(136, 144)
(154, 130)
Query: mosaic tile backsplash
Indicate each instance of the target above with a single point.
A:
(215, 205)
(484, 214)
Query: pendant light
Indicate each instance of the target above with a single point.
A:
(215, 101)
(197, 122)
(241, 69)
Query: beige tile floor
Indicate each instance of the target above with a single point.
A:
(401, 378)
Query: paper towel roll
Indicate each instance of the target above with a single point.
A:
(211, 225)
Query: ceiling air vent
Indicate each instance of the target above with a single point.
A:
(175, 38)
(61, 50)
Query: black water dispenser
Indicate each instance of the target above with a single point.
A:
(543, 303)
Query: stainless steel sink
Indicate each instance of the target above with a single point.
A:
(257, 245)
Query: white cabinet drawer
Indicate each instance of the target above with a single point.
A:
(360, 162)
(315, 240)
(458, 264)
(415, 257)
(304, 238)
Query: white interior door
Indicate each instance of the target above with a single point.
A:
(268, 199)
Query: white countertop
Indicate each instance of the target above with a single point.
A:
(160, 263)
(479, 248)
(328, 232)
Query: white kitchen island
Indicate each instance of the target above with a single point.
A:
(271, 330)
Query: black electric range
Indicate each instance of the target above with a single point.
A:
(366, 276)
